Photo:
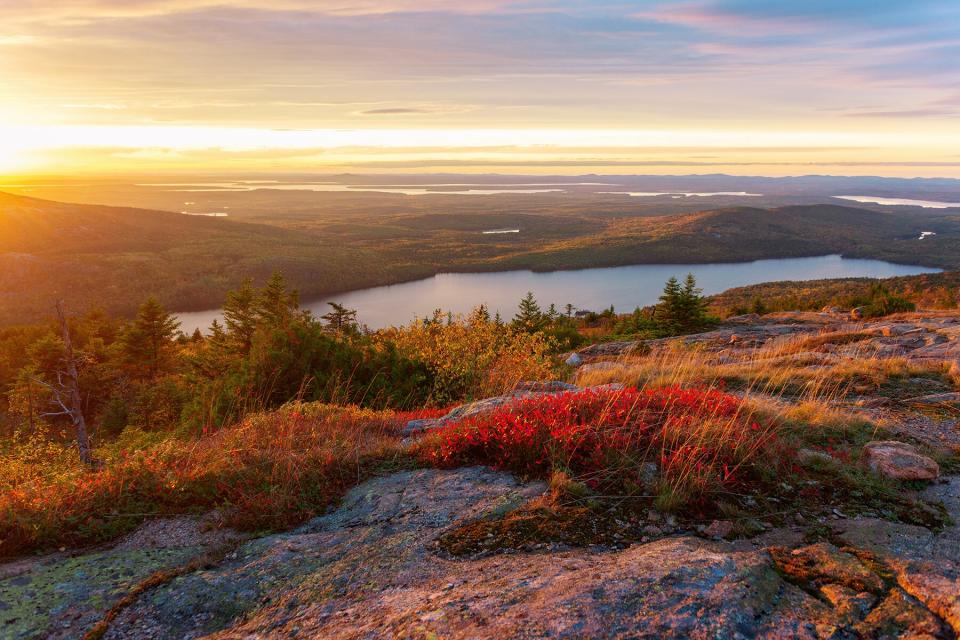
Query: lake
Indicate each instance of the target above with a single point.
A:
(593, 289)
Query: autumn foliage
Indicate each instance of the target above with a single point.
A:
(472, 357)
(680, 445)
(269, 471)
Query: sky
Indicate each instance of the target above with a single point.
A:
(758, 87)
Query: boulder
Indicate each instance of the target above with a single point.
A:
(573, 360)
(857, 313)
(899, 460)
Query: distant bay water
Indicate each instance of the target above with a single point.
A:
(595, 289)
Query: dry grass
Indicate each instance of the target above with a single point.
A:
(787, 369)
(269, 471)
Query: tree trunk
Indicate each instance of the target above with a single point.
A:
(73, 388)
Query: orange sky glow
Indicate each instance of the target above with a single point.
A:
(529, 86)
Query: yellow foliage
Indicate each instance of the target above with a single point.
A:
(473, 357)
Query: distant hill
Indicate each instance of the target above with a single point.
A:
(748, 233)
(114, 257)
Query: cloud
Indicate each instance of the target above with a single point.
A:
(931, 112)
(512, 65)
(17, 40)
(390, 111)
(98, 107)
(84, 11)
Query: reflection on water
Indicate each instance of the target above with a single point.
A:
(595, 289)
(907, 202)
(684, 194)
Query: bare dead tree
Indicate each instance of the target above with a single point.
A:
(65, 394)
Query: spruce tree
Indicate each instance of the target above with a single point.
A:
(148, 339)
(693, 305)
(275, 304)
(340, 318)
(529, 317)
(670, 308)
(240, 315)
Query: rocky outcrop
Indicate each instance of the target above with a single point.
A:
(65, 595)
(899, 461)
(372, 569)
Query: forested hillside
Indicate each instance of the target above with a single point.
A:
(111, 258)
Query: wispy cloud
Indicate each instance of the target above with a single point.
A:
(678, 65)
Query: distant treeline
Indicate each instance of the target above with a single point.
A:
(926, 291)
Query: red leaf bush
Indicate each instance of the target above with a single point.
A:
(676, 444)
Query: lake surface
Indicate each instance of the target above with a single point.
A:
(594, 289)
(907, 202)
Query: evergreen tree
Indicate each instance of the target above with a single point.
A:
(670, 309)
(275, 304)
(693, 305)
(682, 307)
(340, 318)
(240, 315)
(569, 309)
(147, 341)
(529, 317)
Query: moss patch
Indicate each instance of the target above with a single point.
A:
(74, 593)
(543, 523)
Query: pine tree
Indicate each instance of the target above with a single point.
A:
(693, 305)
(240, 315)
(147, 341)
(569, 309)
(275, 305)
(669, 310)
(529, 317)
(340, 318)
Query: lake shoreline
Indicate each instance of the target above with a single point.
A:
(448, 298)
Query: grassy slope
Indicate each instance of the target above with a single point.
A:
(114, 257)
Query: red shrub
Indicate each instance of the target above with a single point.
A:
(699, 439)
